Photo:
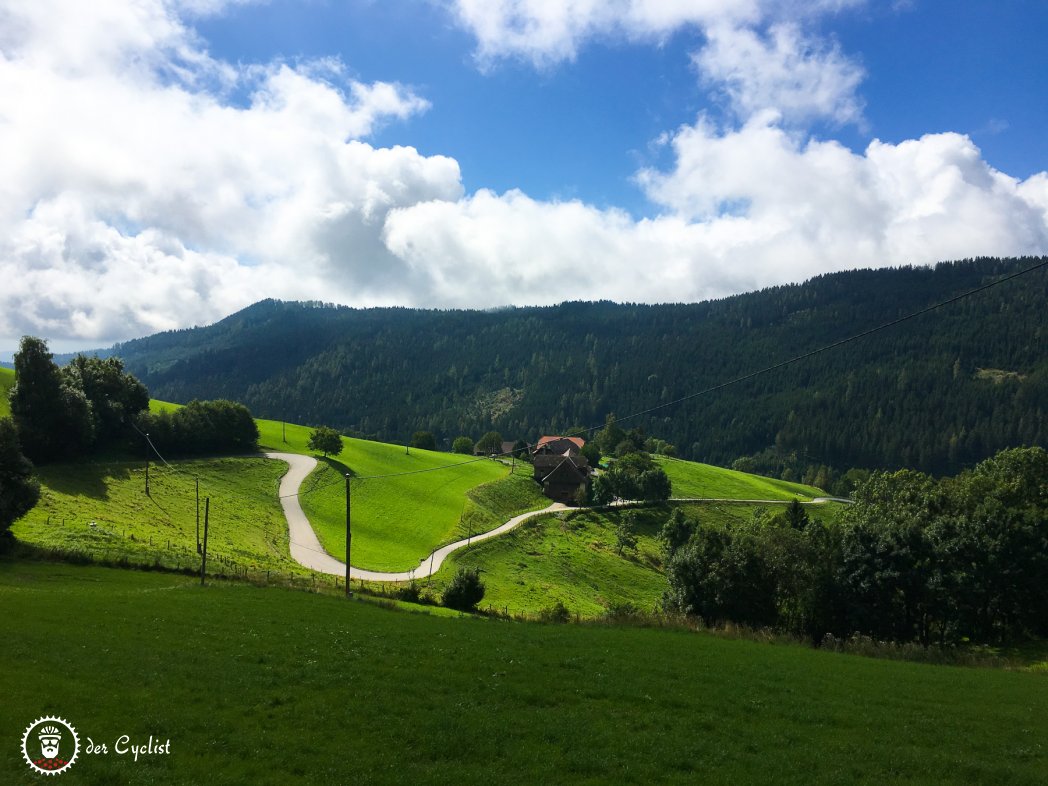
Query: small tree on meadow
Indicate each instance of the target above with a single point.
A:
(325, 440)
(462, 445)
(465, 591)
(626, 531)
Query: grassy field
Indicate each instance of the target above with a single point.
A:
(572, 557)
(397, 520)
(7, 381)
(691, 479)
(247, 524)
(268, 686)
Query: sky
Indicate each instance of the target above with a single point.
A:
(168, 162)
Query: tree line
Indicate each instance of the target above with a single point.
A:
(90, 406)
(961, 559)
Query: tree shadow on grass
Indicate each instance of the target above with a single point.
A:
(87, 480)
(338, 466)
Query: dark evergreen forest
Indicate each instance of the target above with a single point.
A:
(938, 393)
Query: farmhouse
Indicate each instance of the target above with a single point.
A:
(560, 467)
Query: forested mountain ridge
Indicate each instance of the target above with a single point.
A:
(937, 393)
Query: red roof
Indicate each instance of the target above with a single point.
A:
(579, 441)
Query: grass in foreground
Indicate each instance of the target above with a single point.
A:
(247, 523)
(271, 687)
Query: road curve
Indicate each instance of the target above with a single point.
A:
(307, 551)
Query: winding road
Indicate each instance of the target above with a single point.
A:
(306, 549)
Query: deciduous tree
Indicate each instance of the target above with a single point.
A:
(325, 440)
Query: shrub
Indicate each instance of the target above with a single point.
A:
(558, 612)
(465, 591)
(462, 445)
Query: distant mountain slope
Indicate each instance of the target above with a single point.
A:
(939, 392)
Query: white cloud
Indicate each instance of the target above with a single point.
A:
(546, 32)
(795, 75)
(137, 197)
(745, 209)
(752, 52)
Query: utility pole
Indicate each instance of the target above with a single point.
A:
(283, 430)
(198, 513)
(147, 465)
(349, 541)
(203, 561)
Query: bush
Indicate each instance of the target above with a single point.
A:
(413, 593)
(558, 612)
(462, 445)
(620, 612)
(465, 591)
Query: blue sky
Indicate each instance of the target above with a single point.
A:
(175, 160)
(582, 128)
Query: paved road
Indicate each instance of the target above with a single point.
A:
(306, 549)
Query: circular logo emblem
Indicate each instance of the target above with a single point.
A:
(50, 745)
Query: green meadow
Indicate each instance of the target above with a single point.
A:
(101, 510)
(573, 557)
(269, 686)
(396, 520)
(691, 479)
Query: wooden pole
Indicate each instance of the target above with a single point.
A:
(147, 465)
(203, 561)
(198, 513)
(349, 541)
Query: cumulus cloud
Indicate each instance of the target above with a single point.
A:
(798, 76)
(546, 32)
(744, 209)
(140, 198)
(137, 195)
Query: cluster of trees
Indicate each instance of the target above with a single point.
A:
(964, 558)
(89, 404)
(938, 394)
(202, 427)
(635, 476)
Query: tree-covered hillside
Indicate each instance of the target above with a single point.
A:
(937, 393)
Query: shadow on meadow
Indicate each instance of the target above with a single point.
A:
(86, 480)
